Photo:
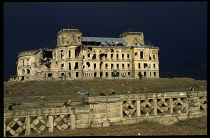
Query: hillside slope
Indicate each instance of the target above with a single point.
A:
(36, 88)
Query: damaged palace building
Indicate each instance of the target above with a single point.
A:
(78, 57)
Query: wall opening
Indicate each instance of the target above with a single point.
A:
(101, 74)
(69, 66)
(103, 56)
(88, 64)
(111, 56)
(77, 74)
(150, 57)
(22, 78)
(101, 63)
(94, 65)
(117, 66)
(49, 75)
(77, 51)
(94, 56)
(69, 53)
(106, 66)
(112, 50)
(90, 48)
(145, 73)
(28, 71)
(47, 54)
(141, 55)
(107, 74)
(145, 65)
(94, 74)
(117, 56)
(122, 56)
(62, 55)
(62, 66)
(76, 65)
(139, 65)
(155, 74)
(128, 65)
(128, 56)
(123, 66)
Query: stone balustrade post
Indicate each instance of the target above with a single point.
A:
(171, 105)
(73, 122)
(50, 123)
(155, 107)
(138, 110)
(28, 126)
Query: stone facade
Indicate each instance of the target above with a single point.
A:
(103, 111)
(78, 57)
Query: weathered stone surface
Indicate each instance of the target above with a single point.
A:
(129, 121)
(169, 120)
(80, 110)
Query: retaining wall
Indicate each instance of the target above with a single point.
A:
(103, 111)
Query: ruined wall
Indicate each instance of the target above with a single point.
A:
(103, 111)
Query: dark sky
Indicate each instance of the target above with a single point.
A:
(179, 29)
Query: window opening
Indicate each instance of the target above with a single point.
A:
(94, 56)
(117, 56)
(141, 54)
(145, 65)
(88, 64)
(77, 74)
(127, 55)
(62, 66)
(101, 63)
(49, 75)
(155, 74)
(103, 56)
(69, 66)
(76, 65)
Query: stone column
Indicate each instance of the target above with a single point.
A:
(50, 123)
(73, 122)
(28, 126)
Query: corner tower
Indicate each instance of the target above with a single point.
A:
(69, 36)
(132, 38)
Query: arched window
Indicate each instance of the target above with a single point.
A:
(141, 54)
